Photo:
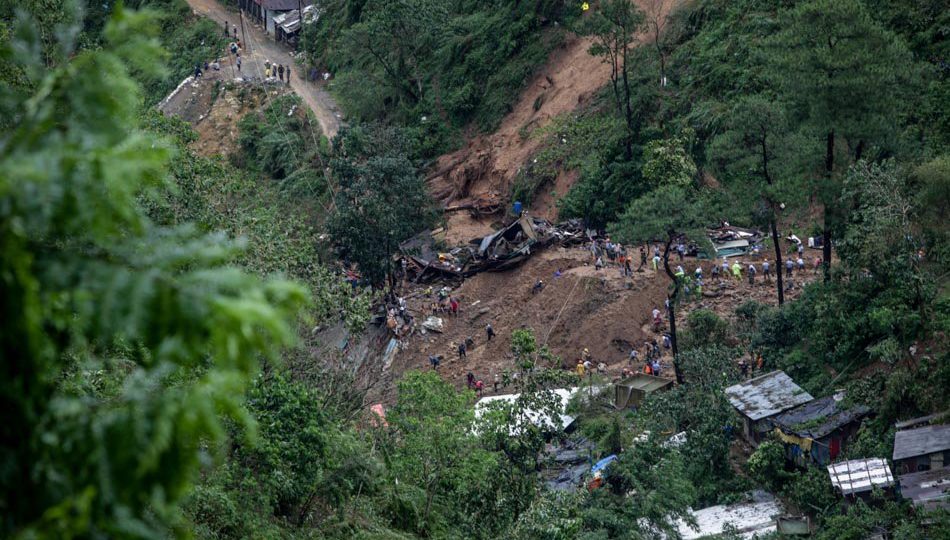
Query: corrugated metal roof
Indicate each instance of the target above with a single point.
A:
(859, 475)
(283, 5)
(821, 416)
(750, 519)
(766, 395)
(539, 418)
(921, 441)
(928, 489)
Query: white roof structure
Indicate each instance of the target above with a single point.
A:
(751, 519)
(860, 475)
(538, 418)
(767, 395)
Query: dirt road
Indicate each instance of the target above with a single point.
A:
(264, 48)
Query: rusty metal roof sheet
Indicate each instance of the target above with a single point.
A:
(767, 395)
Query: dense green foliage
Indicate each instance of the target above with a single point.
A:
(159, 381)
(434, 64)
(125, 344)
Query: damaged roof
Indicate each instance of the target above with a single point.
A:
(766, 395)
(819, 417)
(859, 475)
(921, 441)
(928, 489)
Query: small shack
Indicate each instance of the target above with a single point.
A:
(857, 477)
(817, 431)
(762, 398)
(922, 449)
(631, 391)
(927, 489)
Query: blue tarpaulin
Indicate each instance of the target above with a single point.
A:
(602, 464)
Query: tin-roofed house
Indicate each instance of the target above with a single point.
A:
(922, 459)
(818, 431)
(922, 449)
(760, 399)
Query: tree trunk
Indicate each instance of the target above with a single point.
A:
(772, 226)
(778, 260)
(826, 232)
(671, 310)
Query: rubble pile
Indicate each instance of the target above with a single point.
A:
(503, 249)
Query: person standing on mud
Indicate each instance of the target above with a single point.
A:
(461, 350)
(489, 331)
(239, 62)
(767, 271)
(280, 72)
(287, 69)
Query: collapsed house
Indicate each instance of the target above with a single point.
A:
(762, 398)
(503, 249)
(818, 431)
(730, 241)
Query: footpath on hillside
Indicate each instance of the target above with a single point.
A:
(263, 49)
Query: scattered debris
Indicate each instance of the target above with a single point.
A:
(503, 249)
(731, 241)
(433, 323)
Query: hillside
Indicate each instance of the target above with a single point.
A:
(241, 304)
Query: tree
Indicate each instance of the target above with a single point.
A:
(123, 342)
(668, 214)
(433, 450)
(756, 138)
(656, 17)
(843, 73)
(614, 27)
(381, 200)
(666, 161)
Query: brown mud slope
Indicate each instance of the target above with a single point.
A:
(584, 308)
(488, 163)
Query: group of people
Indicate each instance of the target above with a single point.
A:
(585, 365)
(617, 254)
(277, 70)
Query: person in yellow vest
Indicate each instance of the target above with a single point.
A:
(737, 271)
(580, 369)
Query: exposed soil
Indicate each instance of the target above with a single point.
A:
(488, 163)
(584, 308)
